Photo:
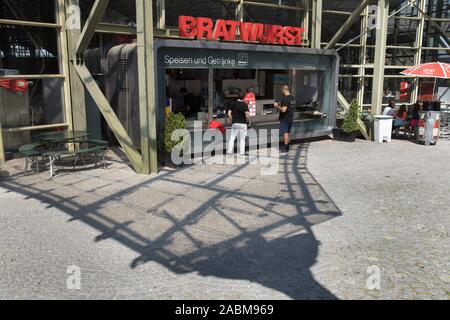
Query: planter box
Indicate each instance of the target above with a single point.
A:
(341, 135)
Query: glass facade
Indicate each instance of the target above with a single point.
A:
(32, 77)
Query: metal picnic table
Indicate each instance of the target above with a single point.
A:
(54, 145)
(50, 139)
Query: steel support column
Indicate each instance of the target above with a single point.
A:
(77, 97)
(362, 58)
(418, 45)
(240, 10)
(380, 56)
(316, 23)
(161, 13)
(2, 151)
(65, 62)
(147, 102)
(306, 19)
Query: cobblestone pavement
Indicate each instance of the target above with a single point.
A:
(333, 212)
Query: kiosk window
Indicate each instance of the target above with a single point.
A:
(187, 92)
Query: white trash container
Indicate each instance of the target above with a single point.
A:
(383, 128)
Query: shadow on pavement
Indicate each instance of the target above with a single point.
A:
(277, 255)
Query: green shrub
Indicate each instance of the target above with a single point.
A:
(173, 122)
(350, 123)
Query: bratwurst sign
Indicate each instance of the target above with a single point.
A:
(229, 30)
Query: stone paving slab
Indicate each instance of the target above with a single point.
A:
(334, 212)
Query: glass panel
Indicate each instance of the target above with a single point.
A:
(402, 32)
(29, 50)
(370, 55)
(117, 11)
(350, 55)
(198, 8)
(367, 99)
(441, 90)
(273, 16)
(435, 55)
(349, 87)
(263, 86)
(400, 57)
(40, 102)
(438, 8)
(398, 89)
(28, 10)
(433, 37)
(348, 71)
(333, 24)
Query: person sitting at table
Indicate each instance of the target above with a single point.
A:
(414, 122)
(400, 117)
(390, 109)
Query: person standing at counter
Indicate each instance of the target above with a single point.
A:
(286, 108)
(240, 116)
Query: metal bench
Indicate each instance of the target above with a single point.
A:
(31, 155)
(96, 147)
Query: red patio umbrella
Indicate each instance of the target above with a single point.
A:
(430, 70)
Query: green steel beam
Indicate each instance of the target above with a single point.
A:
(2, 150)
(161, 13)
(111, 118)
(146, 74)
(380, 56)
(348, 23)
(91, 24)
(115, 28)
(77, 97)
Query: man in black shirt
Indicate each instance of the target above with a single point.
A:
(286, 108)
(240, 116)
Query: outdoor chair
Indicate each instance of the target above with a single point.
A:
(31, 154)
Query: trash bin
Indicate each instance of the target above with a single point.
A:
(428, 128)
(383, 128)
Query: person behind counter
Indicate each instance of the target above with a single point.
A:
(286, 108)
(190, 103)
(240, 116)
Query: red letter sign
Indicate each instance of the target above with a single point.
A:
(201, 28)
(186, 26)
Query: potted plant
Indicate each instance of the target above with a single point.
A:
(349, 127)
(173, 122)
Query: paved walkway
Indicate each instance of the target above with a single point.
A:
(333, 213)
